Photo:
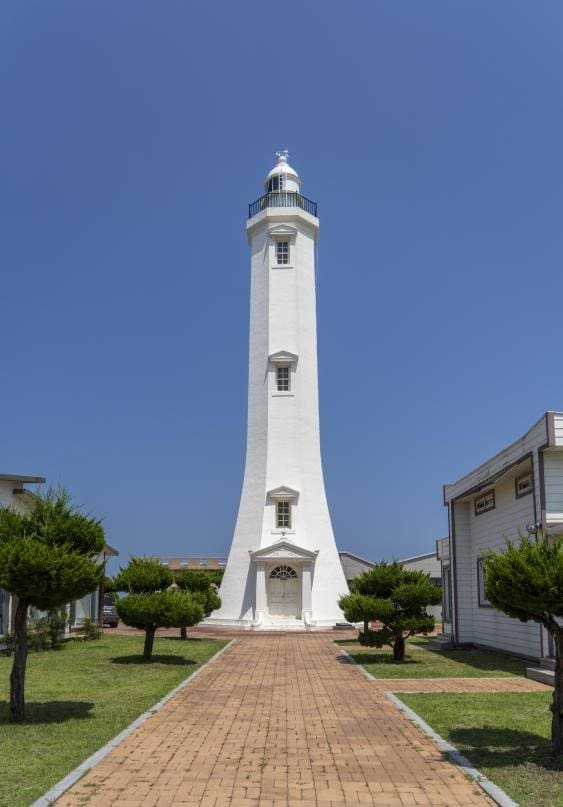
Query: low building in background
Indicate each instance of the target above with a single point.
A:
(429, 564)
(353, 565)
(518, 491)
(13, 494)
(180, 563)
(92, 605)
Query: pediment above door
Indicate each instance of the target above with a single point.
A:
(283, 550)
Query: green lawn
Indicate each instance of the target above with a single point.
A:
(423, 663)
(504, 735)
(416, 640)
(78, 698)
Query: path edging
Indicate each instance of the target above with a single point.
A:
(55, 792)
(353, 661)
(494, 791)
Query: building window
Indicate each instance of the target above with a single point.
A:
(276, 183)
(282, 379)
(283, 572)
(283, 515)
(4, 611)
(481, 583)
(523, 485)
(447, 594)
(282, 252)
(485, 502)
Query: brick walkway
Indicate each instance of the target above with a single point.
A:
(280, 720)
(458, 685)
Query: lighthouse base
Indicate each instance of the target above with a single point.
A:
(271, 624)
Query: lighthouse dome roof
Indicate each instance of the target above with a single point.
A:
(282, 177)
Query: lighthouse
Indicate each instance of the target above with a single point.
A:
(283, 569)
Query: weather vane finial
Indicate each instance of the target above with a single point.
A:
(282, 155)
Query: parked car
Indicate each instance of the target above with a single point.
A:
(111, 617)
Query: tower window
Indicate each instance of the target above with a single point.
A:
(276, 183)
(282, 252)
(283, 515)
(282, 379)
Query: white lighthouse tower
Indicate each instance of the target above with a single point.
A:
(283, 569)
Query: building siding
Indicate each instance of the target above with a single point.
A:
(558, 428)
(489, 531)
(553, 476)
(463, 579)
(474, 535)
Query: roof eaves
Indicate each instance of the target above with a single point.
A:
(36, 480)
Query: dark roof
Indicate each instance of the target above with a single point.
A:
(20, 478)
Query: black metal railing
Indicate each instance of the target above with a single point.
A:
(282, 199)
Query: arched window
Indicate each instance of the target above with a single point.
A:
(283, 572)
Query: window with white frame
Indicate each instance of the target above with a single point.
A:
(4, 611)
(481, 583)
(523, 485)
(446, 594)
(485, 502)
(282, 378)
(282, 252)
(276, 183)
(283, 515)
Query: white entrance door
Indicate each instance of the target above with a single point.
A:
(283, 592)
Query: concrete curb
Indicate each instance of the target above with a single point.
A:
(492, 790)
(51, 796)
(352, 660)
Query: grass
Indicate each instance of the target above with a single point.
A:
(423, 663)
(78, 698)
(506, 737)
(416, 640)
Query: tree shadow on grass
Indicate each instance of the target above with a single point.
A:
(382, 658)
(191, 639)
(156, 659)
(497, 747)
(50, 711)
(482, 660)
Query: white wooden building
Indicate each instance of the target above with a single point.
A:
(15, 495)
(517, 491)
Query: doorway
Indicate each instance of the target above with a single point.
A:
(284, 593)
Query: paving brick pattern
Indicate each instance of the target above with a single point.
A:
(279, 720)
(459, 685)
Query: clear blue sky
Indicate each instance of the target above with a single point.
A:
(133, 136)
